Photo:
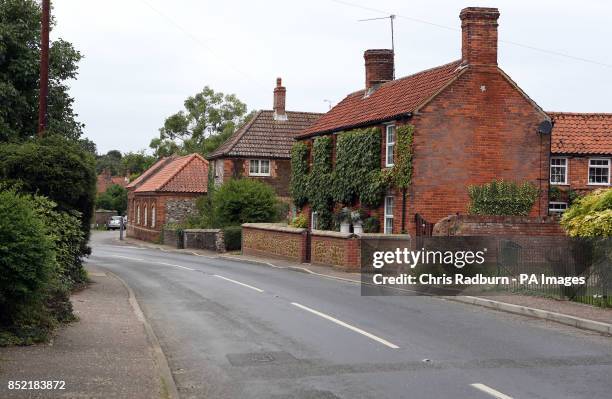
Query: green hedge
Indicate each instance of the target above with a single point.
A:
(233, 237)
(590, 216)
(502, 198)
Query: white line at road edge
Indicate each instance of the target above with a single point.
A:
(173, 265)
(239, 283)
(490, 391)
(343, 324)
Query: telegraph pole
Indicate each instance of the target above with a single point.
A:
(44, 67)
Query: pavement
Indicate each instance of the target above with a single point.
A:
(232, 328)
(106, 354)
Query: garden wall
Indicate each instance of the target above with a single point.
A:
(275, 241)
(478, 225)
(211, 239)
(173, 238)
(341, 250)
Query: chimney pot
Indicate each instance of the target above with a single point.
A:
(479, 35)
(379, 67)
(279, 101)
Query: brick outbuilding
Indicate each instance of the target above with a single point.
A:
(166, 193)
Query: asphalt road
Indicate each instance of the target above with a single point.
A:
(238, 330)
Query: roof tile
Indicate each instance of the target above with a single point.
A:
(575, 133)
(188, 174)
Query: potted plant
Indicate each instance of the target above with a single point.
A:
(357, 217)
(343, 218)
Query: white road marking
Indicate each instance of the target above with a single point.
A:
(239, 283)
(490, 391)
(173, 265)
(343, 324)
(127, 257)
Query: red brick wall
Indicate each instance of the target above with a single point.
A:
(335, 249)
(479, 129)
(280, 173)
(476, 225)
(578, 176)
(269, 241)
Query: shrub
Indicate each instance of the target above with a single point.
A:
(299, 174)
(26, 265)
(502, 198)
(233, 237)
(114, 198)
(282, 211)
(56, 168)
(590, 216)
(300, 221)
(371, 225)
(240, 201)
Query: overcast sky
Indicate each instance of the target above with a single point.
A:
(144, 57)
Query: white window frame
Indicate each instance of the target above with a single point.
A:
(138, 214)
(557, 210)
(390, 145)
(314, 220)
(565, 177)
(153, 215)
(598, 166)
(259, 168)
(388, 217)
(146, 215)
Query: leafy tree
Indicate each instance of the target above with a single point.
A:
(55, 167)
(114, 198)
(590, 216)
(134, 163)
(111, 161)
(208, 119)
(19, 75)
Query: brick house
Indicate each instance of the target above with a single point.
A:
(105, 180)
(261, 149)
(165, 193)
(472, 124)
(581, 156)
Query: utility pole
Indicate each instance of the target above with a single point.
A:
(44, 67)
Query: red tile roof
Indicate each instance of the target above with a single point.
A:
(392, 99)
(575, 133)
(105, 180)
(265, 136)
(145, 175)
(186, 174)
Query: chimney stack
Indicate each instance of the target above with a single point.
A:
(279, 101)
(379, 67)
(479, 35)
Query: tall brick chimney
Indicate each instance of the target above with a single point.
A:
(479, 35)
(378, 67)
(279, 100)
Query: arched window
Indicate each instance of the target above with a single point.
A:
(153, 216)
(138, 214)
(146, 215)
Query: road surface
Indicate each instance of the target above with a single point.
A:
(238, 330)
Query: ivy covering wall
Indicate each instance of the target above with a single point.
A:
(357, 176)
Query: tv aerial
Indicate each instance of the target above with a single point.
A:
(390, 18)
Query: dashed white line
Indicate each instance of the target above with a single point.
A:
(127, 257)
(490, 391)
(173, 265)
(239, 283)
(343, 324)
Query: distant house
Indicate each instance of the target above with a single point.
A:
(165, 193)
(581, 155)
(472, 124)
(261, 149)
(105, 180)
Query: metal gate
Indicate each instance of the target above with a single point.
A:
(423, 227)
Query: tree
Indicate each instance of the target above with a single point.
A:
(240, 201)
(110, 161)
(207, 115)
(114, 198)
(134, 163)
(19, 75)
(55, 167)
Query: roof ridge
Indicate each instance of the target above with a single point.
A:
(566, 113)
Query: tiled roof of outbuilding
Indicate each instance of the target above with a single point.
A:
(265, 137)
(186, 174)
(575, 133)
(397, 97)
